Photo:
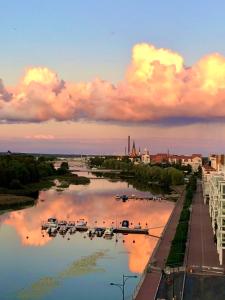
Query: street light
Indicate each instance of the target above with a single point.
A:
(122, 285)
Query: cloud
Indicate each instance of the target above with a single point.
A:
(4, 94)
(157, 88)
(40, 137)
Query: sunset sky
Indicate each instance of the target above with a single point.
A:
(80, 76)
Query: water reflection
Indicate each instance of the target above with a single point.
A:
(96, 204)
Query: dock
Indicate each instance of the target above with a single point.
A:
(122, 230)
(131, 230)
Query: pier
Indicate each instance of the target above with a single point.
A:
(123, 230)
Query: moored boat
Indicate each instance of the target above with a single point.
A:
(81, 225)
(63, 229)
(72, 230)
(51, 222)
(99, 231)
(108, 233)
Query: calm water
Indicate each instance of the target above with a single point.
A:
(34, 266)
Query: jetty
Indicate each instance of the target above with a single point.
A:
(52, 225)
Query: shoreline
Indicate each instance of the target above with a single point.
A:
(8, 201)
(151, 270)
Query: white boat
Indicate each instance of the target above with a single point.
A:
(81, 225)
(117, 197)
(138, 226)
(52, 230)
(51, 222)
(108, 233)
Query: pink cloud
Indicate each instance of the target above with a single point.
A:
(40, 137)
(157, 88)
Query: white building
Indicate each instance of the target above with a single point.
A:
(214, 195)
(195, 161)
(145, 157)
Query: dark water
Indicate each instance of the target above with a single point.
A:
(37, 267)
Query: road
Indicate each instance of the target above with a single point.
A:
(202, 249)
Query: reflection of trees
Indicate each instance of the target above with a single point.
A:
(17, 206)
(145, 187)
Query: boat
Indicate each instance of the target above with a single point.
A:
(52, 231)
(81, 225)
(125, 224)
(91, 232)
(108, 233)
(138, 226)
(63, 229)
(117, 197)
(61, 223)
(99, 231)
(51, 222)
(124, 198)
(70, 224)
(72, 230)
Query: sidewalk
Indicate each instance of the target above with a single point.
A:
(151, 281)
(202, 249)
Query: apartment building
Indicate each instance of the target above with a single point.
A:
(214, 195)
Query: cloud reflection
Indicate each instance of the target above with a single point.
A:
(97, 209)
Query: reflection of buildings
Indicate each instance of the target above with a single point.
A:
(213, 183)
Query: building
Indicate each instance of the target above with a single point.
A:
(133, 151)
(145, 157)
(128, 145)
(195, 161)
(213, 183)
(217, 161)
(160, 158)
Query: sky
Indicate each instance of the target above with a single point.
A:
(80, 76)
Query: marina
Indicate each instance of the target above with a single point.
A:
(52, 227)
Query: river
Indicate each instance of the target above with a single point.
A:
(36, 266)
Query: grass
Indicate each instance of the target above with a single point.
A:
(178, 245)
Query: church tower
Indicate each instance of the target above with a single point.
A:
(133, 152)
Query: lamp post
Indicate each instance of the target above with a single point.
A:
(122, 285)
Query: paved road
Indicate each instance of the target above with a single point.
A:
(204, 287)
(202, 252)
(151, 281)
(202, 249)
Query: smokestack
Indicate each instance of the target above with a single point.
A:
(128, 149)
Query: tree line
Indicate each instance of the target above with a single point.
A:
(19, 170)
(164, 176)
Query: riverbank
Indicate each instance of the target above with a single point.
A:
(8, 201)
(150, 281)
(32, 190)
